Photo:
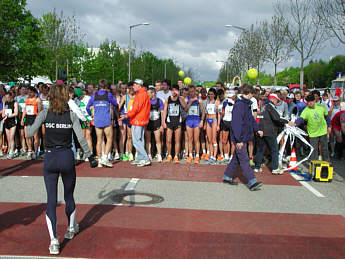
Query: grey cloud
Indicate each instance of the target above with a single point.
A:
(191, 31)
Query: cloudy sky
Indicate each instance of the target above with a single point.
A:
(192, 32)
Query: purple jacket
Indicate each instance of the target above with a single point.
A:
(243, 124)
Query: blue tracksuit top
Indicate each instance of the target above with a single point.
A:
(101, 103)
(243, 124)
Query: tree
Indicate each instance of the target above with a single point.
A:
(304, 30)
(315, 74)
(335, 65)
(277, 43)
(332, 16)
(61, 34)
(19, 41)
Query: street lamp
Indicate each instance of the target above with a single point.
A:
(236, 27)
(226, 69)
(130, 47)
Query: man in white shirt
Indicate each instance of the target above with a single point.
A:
(165, 92)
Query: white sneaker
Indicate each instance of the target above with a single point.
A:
(117, 156)
(78, 155)
(277, 171)
(144, 163)
(1, 153)
(258, 170)
(105, 163)
(86, 159)
(54, 247)
(135, 162)
(159, 158)
(72, 231)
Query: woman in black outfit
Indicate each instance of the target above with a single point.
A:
(59, 123)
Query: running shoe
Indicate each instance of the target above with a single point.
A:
(130, 157)
(159, 158)
(212, 161)
(277, 171)
(207, 157)
(135, 162)
(54, 247)
(168, 160)
(256, 186)
(176, 159)
(72, 231)
(33, 156)
(189, 160)
(220, 158)
(28, 156)
(117, 156)
(144, 163)
(258, 170)
(1, 153)
(10, 156)
(124, 157)
(106, 163)
(196, 160)
(203, 155)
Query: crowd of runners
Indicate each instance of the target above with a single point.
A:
(190, 123)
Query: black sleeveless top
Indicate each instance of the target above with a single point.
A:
(174, 111)
(59, 128)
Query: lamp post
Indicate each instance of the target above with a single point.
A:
(130, 47)
(226, 68)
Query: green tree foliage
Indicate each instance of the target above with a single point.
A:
(19, 41)
(335, 65)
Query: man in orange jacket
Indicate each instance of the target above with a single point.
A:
(139, 115)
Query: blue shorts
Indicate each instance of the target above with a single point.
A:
(192, 122)
(211, 120)
(126, 122)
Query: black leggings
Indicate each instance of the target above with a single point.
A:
(59, 161)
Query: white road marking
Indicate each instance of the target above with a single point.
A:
(307, 185)
(131, 185)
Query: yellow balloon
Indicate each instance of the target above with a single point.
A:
(187, 81)
(181, 73)
(252, 73)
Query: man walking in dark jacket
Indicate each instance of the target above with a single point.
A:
(243, 126)
(270, 125)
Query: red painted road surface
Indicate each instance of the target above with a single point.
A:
(157, 171)
(140, 232)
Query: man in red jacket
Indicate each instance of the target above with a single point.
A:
(139, 115)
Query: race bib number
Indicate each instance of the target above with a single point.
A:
(30, 110)
(154, 115)
(8, 112)
(174, 110)
(228, 113)
(193, 110)
(45, 104)
(211, 108)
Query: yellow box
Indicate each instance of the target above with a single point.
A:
(321, 171)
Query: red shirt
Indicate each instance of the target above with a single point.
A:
(336, 123)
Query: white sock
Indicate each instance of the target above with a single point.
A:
(190, 154)
(226, 156)
(204, 151)
(72, 219)
(104, 157)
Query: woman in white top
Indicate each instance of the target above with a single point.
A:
(212, 125)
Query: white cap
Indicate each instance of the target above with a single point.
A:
(139, 81)
(291, 96)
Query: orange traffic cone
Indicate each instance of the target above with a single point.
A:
(293, 161)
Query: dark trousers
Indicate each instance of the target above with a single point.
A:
(323, 140)
(241, 159)
(58, 161)
(273, 146)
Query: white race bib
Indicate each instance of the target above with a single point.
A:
(211, 108)
(174, 109)
(8, 112)
(154, 115)
(193, 110)
(22, 106)
(30, 110)
(228, 113)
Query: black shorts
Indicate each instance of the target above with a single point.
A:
(29, 120)
(9, 123)
(19, 125)
(153, 125)
(225, 125)
(173, 126)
